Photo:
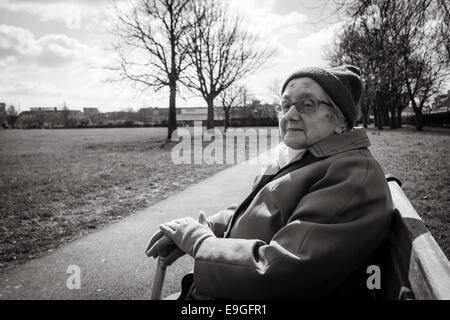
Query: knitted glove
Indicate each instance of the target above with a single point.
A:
(187, 233)
(161, 245)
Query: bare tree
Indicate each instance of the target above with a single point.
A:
(150, 48)
(231, 98)
(65, 115)
(274, 89)
(401, 47)
(40, 117)
(12, 116)
(424, 50)
(246, 97)
(221, 51)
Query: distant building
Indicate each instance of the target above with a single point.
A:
(152, 116)
(442, 103)
(192, 114)
(90, 111)
(2, 108)
(49, 118)
(93, 115)
(252, 114)
(187, 116)
(44, 109)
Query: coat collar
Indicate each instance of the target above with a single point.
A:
(332, 145)
(338, 143)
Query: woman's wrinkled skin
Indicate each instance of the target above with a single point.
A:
(301, 130)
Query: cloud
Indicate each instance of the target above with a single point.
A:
(305, 51)
(46, 10)
(322, 37)
(58, 50)
(45, 70)
(15, 41)
(262, 19)
(19, 45)
(75, 14)
(26, 88)
(312, 46)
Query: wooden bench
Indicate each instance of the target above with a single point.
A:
(415, 266)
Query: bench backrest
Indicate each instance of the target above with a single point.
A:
(416, 266)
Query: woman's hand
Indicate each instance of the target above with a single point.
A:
(161, 243)
(187, 233)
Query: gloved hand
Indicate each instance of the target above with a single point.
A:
(162, 245)
(187, 233)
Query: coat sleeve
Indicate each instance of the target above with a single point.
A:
(331, 233)
(218, 222)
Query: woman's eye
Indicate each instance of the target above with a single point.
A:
(307, 105)
(286, 107)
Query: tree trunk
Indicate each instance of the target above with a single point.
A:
(380, 116)
(364, 119)
(172, 121)
(385, 111)
(419, 118)
(365, 112)
(379, 119)
(399, 116)
(392, 116)
(210, 118)
(226, 120)
(375, 117)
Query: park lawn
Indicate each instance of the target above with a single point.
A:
(58, 185)
(421, 160)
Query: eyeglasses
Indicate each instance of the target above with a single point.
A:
(307, 105)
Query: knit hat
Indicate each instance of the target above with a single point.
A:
(343, 85)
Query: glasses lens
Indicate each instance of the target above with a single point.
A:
(307, 105)
(286, 106)
(302, 106)
(283, 107)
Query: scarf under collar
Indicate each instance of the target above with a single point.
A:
(285, 154)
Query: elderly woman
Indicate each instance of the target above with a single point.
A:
(312, 221)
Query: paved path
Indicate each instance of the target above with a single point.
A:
(112, 260)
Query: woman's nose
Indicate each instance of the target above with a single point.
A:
(292, 114)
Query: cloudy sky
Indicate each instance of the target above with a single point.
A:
(53, 51)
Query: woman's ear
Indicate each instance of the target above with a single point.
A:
(340, 128)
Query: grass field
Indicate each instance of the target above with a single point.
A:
(421, 160)
(58, 185)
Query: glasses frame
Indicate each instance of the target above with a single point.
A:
(317, 102)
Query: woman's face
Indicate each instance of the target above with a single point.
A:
(299, 130)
